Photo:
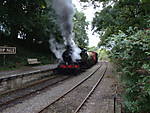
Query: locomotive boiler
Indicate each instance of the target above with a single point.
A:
(88, 59)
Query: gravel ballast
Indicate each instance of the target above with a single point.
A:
(35, 104)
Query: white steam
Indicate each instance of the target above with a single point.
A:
(75, 49)
(65, 12)
(56, 48)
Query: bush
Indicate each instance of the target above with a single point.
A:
(132, 53)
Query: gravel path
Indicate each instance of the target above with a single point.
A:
(38, 102)
(102, 99)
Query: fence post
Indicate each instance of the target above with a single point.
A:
(4, 60)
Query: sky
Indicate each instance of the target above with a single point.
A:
(89, 13)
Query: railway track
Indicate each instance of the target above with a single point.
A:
(85, 98)
(16, 96)
(90, 93)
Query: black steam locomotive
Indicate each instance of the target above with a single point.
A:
(88, 59)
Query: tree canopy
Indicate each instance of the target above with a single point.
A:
(36, 20)
(121, 15)
(124, 28)
(80, 27)
(23, 16)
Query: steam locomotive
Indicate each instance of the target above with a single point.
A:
(88, 59)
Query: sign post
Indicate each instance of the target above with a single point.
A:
(7, 51)
(4, 60)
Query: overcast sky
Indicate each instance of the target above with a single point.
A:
(89, 13)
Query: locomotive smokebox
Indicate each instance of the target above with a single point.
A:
(67, 55)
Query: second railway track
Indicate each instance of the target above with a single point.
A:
(60, 106)
(16, 96)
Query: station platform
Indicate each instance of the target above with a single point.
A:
(26, 70)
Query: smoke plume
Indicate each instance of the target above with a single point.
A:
(56, 48)
(65, 12)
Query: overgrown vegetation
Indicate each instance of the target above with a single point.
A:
(132, 55)
(103, 54)
(124, 28)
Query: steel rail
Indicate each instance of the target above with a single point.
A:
(79, 83)
(92, 90)
(33, 92)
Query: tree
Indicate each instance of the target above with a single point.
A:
(120, 16)
(124, 28)
(32, 19)
(80, 27)
(37, 20)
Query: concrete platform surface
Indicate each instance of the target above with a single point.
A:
(26, 70)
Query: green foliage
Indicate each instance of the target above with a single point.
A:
(92, 48)
(80, 27)
(36, 20)
(31, 19)
(121, 16)
(103, 54)
(131, 52)
(122, 26)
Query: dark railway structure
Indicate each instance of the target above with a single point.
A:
(67, 65)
